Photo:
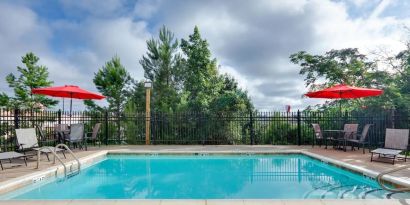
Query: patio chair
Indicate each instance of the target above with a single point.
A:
(11, 155)
(61, 131)
(396, 142)
(76, 136)
(318, 135)
(43, 139)
(93, 136)
(27, 141)
(361, 139)
(349, 133)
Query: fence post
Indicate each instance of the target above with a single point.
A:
(251, 128)
(299, 129)
(393, 118)
(16, 118)
(59, 116)
(106, 126)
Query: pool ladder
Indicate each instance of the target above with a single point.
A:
(380, 180)
(53, 151)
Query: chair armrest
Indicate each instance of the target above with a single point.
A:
(42, 142)
(21, 146)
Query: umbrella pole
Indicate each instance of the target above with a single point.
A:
(71, 105)
(63, 104)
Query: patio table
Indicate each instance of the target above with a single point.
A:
(62, 135)
(338, 134)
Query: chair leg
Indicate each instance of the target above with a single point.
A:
(64, 154)
(371, 157)
(47, 156)
(25, 160)
(1, 164)
(344, 145)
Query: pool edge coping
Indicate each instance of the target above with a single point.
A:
(58, 170)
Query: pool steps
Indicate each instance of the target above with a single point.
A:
(350, 192)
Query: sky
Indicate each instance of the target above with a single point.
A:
(251, 39)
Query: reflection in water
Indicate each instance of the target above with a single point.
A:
(198, 177)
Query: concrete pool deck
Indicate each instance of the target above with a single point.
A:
(352, 158)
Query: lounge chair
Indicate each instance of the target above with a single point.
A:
(396, 142)
(27, 141)
(349, 133)
(11, 155)
(93, 136)
(361, 139)
(318, 135)
(76, 136)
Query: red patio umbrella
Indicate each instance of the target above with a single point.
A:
(343, 91)
(68, 91)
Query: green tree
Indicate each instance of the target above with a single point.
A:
(113, 81)
(230, 97)
(31, 76)
(136, 100)
(402, 79)
(336, 66)
(199, 72)
(92, 106)
(346, 66)
(161, 65)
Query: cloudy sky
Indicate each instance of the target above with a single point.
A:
(252, 39)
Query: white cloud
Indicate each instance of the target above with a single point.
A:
(255, 38)
(252, 40)
(91, 43)
(20, 32)
(380, 8)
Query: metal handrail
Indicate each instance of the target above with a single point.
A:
(71, 153)
(53, 151)
(380, 181)
(55, 156)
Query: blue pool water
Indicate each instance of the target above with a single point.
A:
(208, 177)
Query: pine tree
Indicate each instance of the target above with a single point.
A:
(31, 76)
(161, 65)
(113, 81)
(199, 72)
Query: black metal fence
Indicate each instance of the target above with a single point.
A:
(280, 128)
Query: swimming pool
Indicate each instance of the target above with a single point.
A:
(290, 176)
